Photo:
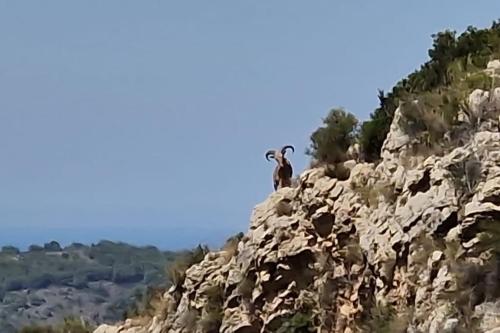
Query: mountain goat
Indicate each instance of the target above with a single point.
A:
(282, 175)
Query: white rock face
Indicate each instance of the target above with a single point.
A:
(396, 140)
(493, 68)
(354, 152)
(478, 101)
(344, 245)
(107, 329)
(495, 99)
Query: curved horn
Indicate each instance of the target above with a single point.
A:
(283, 150)
(270, 153)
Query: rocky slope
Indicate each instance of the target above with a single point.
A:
(396, 247)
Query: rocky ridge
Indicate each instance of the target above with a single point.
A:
(400, 237)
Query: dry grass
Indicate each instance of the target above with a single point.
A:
(370, 195)
(386, 319)
(211, 322)
(475, 282)
(230, 248)
(332, 170)
(246, 287)
(176, 272)
(338, 171)
(352, 253)
(189, 320)
(466, 174)
(212, 319)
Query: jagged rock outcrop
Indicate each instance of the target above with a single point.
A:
(397, 236)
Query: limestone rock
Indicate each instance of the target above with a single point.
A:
(397, 138)
(450, 325)
(493, 68)
(478, 100)
(347, 245)
(107, 329)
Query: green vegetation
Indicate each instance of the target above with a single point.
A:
(445, 75)
(298, 323)
(76, 266)
(439, 88)
(69, 325)
(103, 280)
(330, 143)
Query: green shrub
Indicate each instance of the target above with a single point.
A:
(374, 131)
(52, 246)
(329, 143)
(298, 323)
(425, 115)
(11, 250)
(479, 80)
(451, 61)
(441, 85)
(35, 248)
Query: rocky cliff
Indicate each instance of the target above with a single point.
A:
(395, 247)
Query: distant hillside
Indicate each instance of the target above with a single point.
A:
(98, 283)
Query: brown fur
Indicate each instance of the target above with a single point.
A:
(282, 175)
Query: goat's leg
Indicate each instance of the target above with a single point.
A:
(287, 182)
(281, 184)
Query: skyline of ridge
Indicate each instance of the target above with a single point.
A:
(148, 123)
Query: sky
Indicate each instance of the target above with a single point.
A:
(147, 121)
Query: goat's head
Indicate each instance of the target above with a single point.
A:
(279, 155)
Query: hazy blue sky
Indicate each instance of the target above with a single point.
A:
(147, 121)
